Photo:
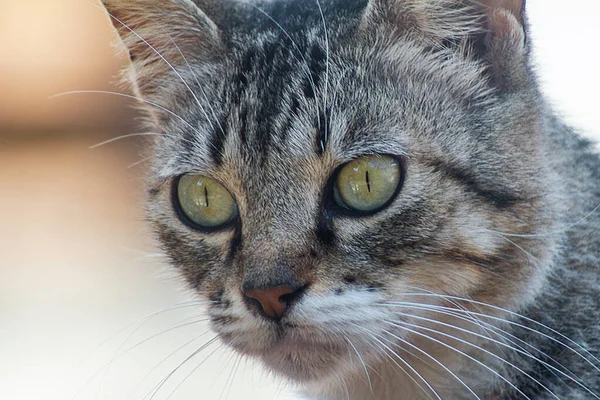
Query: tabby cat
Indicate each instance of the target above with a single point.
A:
(373, 196)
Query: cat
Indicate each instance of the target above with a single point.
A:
(372, 196)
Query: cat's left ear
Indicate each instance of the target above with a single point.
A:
(503, 43)
(493, 31)
(162, 37)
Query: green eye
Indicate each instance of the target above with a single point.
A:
(205, 202)
(367, 184)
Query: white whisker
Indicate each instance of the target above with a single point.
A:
(128, 96)
(388, 349)
(496, 330)
(525, 353)
(512, 313)
(230, 378)
(448, 370)
(156, 366)
(150, 395)
(124, 137)
(120, 352)
(135, 164)
(212, 110)
(529, 255)
(144, 320)
(404, 361)
(166, 61)
(185, 304)
(362, 362)
(555, 232)
(403, 324)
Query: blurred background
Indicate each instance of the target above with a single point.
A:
(76, 261)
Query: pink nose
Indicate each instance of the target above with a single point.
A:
(272, 300)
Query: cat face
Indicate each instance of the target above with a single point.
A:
(272, 119)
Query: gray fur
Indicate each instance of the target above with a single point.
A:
(499, 203)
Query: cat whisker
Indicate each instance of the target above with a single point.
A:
(433, 308)
(143, 160)
(107, 365)
(231, 378)
(343, 383)
(444, 367)
(469, 318)
(160, 134)
(124, 137)
(528, 254)
(120, 352)
(182, 324)
(185, 304)
(386, 349)
(212, 110)
(497, 331)
(555, 232)
(362, 362)
(572, 377)
(406, 327)
(167, 62)
(156, 366)
(191, 372)
(128, 96)
(154, 391)
(228, 363)
(514, 314)
(438, 332)
(412, 354)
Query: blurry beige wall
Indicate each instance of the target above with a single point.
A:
(52, 46)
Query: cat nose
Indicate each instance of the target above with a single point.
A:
(274, 301)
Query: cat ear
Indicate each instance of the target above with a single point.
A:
(492, 30)
(162, 37)
(503, 42)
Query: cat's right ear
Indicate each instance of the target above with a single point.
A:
(162, 37)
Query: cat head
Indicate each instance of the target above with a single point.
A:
(321, 163)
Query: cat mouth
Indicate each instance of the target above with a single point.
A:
(302, 359)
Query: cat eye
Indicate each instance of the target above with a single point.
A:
(205, 202)
(367, 184)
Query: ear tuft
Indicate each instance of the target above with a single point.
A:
(161, 37)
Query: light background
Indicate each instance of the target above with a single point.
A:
(76, 261)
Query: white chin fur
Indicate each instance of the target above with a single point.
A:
(321, 339)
